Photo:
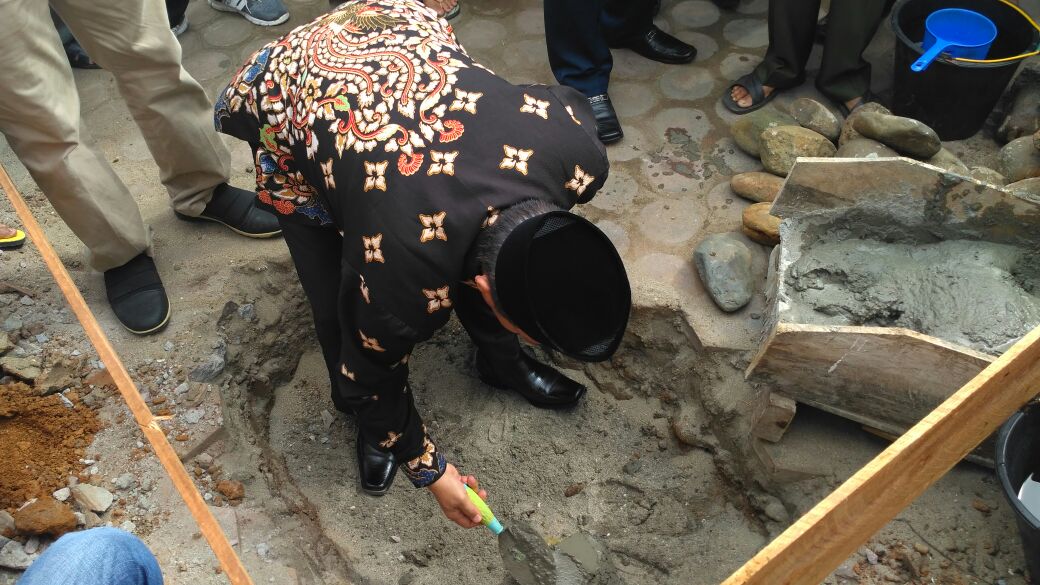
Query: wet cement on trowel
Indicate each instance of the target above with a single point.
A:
(979, 294)
(579, 559)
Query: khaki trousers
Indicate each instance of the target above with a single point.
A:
(40, 116)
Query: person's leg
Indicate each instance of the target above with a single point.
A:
(175, 10)
(844, 73)
(101, 556)
(317, 254)
(578, 51)
(792, 28)
(39, 115)
(624, 20)
(503, 364)
(132, 39)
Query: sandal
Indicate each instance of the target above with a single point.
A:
(754, 89)
(13, 242)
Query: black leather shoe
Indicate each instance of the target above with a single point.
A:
(607, 125)
(376, 469)
(540, 384)
(137, 296)
(236, 209)
(660, 46)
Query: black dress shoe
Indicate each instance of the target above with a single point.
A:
(607, 125)
(660, 46)
(137, 295)
(540, 384)
(236, 208)
(376, 469)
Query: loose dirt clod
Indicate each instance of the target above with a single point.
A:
(41, 443)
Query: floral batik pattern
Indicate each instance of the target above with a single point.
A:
(426, 468)
(371, 77)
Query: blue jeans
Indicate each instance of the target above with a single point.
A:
(101, 556)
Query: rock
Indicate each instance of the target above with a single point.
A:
(11, 323)
(327, 418)
(232, 490)
(759, 225)
(1029, 188)
(204, 460)
(757, 186)
(815, 116)
(247, 312)
(1018, 160)
(62, 494)
(633, 466)
(26, 300)
(981, 506)
(81, 519)
(209, 369)
(92, 497)
(904, 135)
(872, 556)
(6, 523)
(987, 175)
(181, 388)
(921, 548)
(396, 539)
(124, 481)
(31, 546)
(747, 130)
(12, 556)
(864, 148)
(781, 146)
(1023, 114)
(263, 550)
(168, 346)
(45, 516)
(57, 379)
(573, 490)
(948, 161)
(193, 416)
(724, 266)
(847, 131)
(128, 526)
(23, 368)
(774, 510)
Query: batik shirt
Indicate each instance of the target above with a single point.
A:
(374, 121)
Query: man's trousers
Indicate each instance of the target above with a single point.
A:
(40, 116)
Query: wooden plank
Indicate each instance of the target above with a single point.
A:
(823, 538)
(773, 414)
(208, 526)
(885, 377)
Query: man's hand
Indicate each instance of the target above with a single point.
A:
(450, 491)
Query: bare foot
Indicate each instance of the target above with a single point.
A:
(743, 98)
(854, 103)
(442, 7)
(6, 232)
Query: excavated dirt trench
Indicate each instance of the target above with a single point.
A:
(655, 462)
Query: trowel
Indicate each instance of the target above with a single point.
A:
(525, 555)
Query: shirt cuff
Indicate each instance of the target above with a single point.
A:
(426, 468)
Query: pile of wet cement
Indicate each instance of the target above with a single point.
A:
(978, 294)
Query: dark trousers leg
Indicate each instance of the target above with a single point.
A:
(578, 34)
(851, 25)
(317, 252)
(175, 11)
(483, 327)
(792, 27)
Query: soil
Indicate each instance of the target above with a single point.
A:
(42, 441)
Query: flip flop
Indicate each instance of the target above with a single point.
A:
(14, 242)
(453, 12)
(845, 111)
(754, 89)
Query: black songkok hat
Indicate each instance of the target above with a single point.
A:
(560, 279)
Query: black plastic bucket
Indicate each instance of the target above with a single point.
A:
(952, 97)
(1018, 455)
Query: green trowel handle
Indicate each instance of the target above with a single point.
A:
(487, 517)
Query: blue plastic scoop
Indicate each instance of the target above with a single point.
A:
(959, 32)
